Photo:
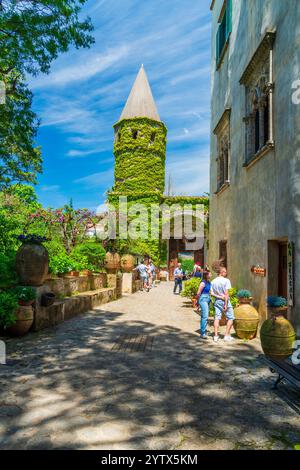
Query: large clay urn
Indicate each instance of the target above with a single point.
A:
(277, 337)
(246, 319)
(23, 323)
(112, 262)
(32, 263)
(127, 263)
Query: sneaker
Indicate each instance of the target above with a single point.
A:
(228, 338)
(203, 336)
(216, 339)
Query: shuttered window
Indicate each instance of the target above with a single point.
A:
(224, 30)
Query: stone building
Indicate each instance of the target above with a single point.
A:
(255, 147)
(140, 158)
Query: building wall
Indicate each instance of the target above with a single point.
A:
(262, 202)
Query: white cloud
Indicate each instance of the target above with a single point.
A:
(86, 67)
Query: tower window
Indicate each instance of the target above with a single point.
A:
(135, 134)
(152, 138)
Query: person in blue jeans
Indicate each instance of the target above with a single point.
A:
(204, 300)
(178, 275)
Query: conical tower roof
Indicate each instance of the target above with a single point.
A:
(140, 102)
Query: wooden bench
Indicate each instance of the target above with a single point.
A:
(285, 370)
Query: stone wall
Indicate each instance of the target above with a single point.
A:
(67, 285)
(262, 202)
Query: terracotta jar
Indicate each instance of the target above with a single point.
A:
(32, 263)
(127, 263)
(112, 262)
(246, 319)
(24, 321)
(277, 336)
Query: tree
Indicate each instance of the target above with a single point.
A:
(32, 34)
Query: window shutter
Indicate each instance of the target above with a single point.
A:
(228, 18)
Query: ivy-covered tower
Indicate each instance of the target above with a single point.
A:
(140, 157)
(140, 143)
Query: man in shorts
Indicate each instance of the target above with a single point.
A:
(142, 269)
(220, 290)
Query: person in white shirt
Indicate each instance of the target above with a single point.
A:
(220, 290)
(178, 275)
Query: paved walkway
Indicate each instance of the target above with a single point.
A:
(81, 386)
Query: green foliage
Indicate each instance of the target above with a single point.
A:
(140, 161)
(93, 252)
(8, 307)
(233, 297)
(32, 34)
(60, 264)
(187, 265)
(190, 287)
(63, 263)
(244, 293)
(276, 302)
(8, 275)
(55, 248)
(25, 293)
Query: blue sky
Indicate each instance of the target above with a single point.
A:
(84, 94)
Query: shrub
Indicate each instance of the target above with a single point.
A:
(8, 274)
(187, 265)
(55, 248)
(244, 293)
(234, 300)
(60, 264)
(8, 307)
(276, 302)
(93, 252)
(191, 288)
(25, 293)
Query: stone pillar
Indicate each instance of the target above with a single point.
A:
(127, 283)
(115, 280)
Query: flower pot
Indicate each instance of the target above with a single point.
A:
(24, 322)
(74, 273)
(246, 319)
(26, 303)
(86, 272)
(63, 274)
(194, 302)
(47, 299)
(277, 337)
(112, 262)
(127, 263)
(32, 262)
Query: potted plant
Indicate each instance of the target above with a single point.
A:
(246, 317)
(277, 305)
(277, 333)
(190, 290)
(60, 265)
(32, 260)
(244, 296)
(26, 295)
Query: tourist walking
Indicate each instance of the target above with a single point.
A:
(204, 300)
(220, 290)
(143, 272)
(153, 273)
(178, 275)
(198, 272)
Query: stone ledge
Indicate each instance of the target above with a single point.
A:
(70, 307)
